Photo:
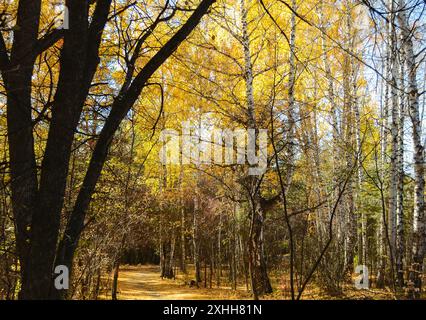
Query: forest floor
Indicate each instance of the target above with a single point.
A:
(144, 283)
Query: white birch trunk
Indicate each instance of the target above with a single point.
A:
(400, 241)
(419, 224)
(291, 112)
(394, 138)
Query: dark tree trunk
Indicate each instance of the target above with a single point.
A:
(17, 76)
(69, 99)
(258, 270)
(114, 288)
(167, 265)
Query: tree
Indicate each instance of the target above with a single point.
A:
(38, 205)
(419, 223)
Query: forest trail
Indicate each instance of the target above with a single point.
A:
(144, 283)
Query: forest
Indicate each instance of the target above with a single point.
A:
(212, 149)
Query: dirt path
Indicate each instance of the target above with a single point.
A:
(144, 283)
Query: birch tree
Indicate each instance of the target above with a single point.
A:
(419, 225)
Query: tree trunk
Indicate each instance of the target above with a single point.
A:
(195, 239)
(17, 77)
(400, 239)
(384, 114)
(114, 288)
(182, 223)
(291, 112)
(258, 271)
(394, 140)
(219, 252)
(257, 263)
(419, 223)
